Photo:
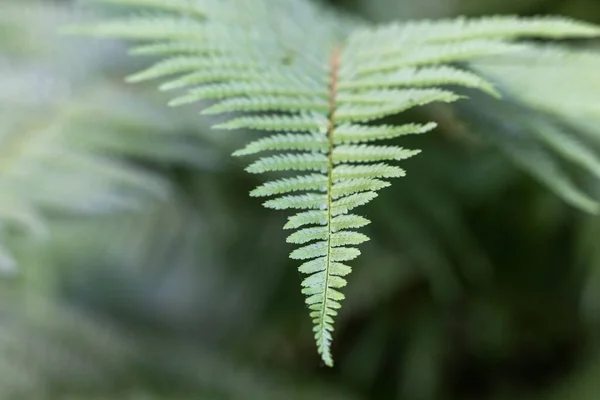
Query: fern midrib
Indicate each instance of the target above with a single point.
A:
(334, 66)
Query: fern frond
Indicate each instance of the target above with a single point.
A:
(563, 116)
(396, 35)
(233, 90)
(299, 183)
(302, 201)
(435, 54)
(286, 141)
(296, 123)
(189, 63)
(346, 171)
(321, 81)
(370, 106)
(427, 76)
(348, 133)
(349, 186)
(269, 103)
(364, 153)
(573, 94)
(290, 162)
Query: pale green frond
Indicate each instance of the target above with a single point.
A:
(345, 238)
(348, 221)
(398, 101)
(348, 133)
(270, 103)
(343, 254)
(236, 89)
(328, 281)
(293, 123)
(322, 248)
(342, 172)
(339, 269)
(314, 280)
(315, 77)
(318, 249)
(398, 35)
(350, 186)
(185, 46)
(302, 201)
(188, 63)
(320, 264)
(436, 54)
(348, 203)
(335, 282)
(307, 218)
(506, 27)
(368, 153)
(265, 74)
(427, 76)
(298, 183)
(211, 76)
(312, 266)
(410, 97)
(286, 141)
(573, 72)
(290, 162)
(308, 235)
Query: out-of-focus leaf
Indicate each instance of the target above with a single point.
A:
(510, 126)
(556, 80)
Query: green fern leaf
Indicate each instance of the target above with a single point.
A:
(299, 183)
(360, 133)
(320, 80)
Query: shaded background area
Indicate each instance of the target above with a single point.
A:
(135, 265)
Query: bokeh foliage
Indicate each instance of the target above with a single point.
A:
(136, 266)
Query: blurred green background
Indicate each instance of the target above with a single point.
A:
(134, 265)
